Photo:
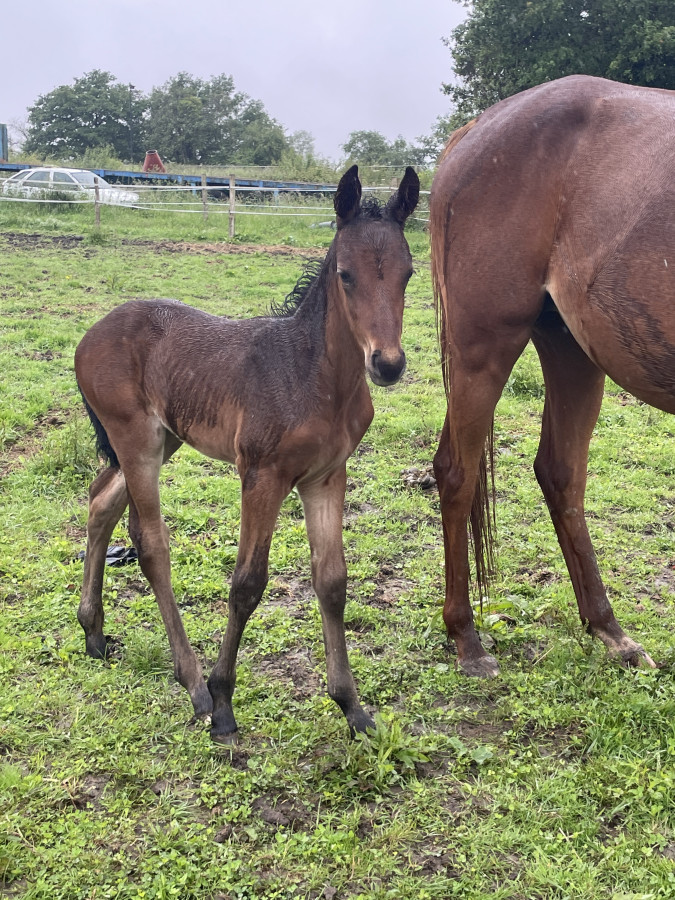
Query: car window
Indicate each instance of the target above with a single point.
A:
(86, 178)
(64, 181)
(17, 176)
(37, 178)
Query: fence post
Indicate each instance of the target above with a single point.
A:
(205, 210)
(97, 203)
(232, 206)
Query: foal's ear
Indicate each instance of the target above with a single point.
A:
(404, 201)
(347, 200)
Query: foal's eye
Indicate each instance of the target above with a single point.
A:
(345, 278)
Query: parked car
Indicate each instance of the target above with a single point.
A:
(76, 182)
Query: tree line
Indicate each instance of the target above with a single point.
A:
(501, 48)
(188, 120)
(507, 46)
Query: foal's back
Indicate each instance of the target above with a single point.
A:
(205, 378)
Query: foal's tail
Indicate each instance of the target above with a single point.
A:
(103, 446)
(482, 517)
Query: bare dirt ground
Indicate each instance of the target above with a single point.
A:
(19, 241)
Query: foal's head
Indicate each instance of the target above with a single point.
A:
(373, 268)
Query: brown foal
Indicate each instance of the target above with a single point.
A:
(283, 397)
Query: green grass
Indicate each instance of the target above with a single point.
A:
(556, 780)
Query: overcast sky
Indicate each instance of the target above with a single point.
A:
(329, 68)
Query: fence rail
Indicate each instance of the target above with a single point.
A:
(205, 200)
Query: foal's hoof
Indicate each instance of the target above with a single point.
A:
(479, 667)
(360, 722)
(224, 727)
(227, 739)
(100, 646)
(202, 704)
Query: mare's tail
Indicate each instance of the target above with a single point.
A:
(482, 517)
(103, 446)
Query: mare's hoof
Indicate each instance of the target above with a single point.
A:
(635, 657)
(623, 648)
(479, 667)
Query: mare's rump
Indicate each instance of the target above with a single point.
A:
(568, 188)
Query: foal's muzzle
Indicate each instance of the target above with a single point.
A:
(385, 370)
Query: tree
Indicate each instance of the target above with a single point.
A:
(197, 121)
(188, 120)
(256, 138)
(506, 46)
(431, 145)
(177, 125)
(96, 111)
(370, 148)
(302, 143)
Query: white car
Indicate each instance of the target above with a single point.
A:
(76, 182)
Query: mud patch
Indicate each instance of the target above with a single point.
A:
(292, 593)
(295, 669)
(389, 588)
(28, 443)
(42, 355)
(88, 793)
(18, 241)
(435, 863)
(282, 813)
(225, 247)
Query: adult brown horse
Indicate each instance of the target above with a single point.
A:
(284, 397)
(552, 220)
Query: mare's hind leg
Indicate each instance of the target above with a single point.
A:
(107, 502)
(479, 369)
(324, 504)
(261, 498)
(574, 387)
(141, 456)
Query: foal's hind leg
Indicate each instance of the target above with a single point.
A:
(324, 504)
(107, 502)
(261, 498)
(574, 387)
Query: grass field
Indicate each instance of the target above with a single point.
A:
(556, 780)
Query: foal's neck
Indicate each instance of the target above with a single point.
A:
(322, 321)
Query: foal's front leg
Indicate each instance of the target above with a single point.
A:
(323, 503)
(261, 498)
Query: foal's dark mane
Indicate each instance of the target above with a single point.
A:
(292, 301)
(371, 208)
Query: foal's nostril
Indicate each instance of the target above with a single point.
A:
(385, 370)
